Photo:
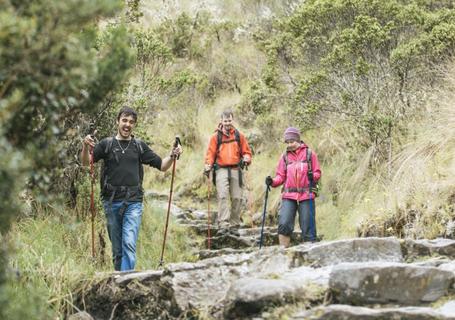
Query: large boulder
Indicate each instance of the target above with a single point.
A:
(247, 283)
(350, 250)
(381, 282)
(448, 309)
(418, 248)
(248, 296)
(199, 285)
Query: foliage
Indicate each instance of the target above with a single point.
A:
(54, 254)
(51, 70)
(357, 61)
(350, 73)
(180, 35)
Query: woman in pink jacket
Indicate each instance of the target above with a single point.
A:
(297, 175)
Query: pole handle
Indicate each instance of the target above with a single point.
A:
(177, 142)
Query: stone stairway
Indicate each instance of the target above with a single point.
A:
(241, 238)
(360, 278)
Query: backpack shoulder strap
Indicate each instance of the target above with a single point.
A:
(237, 138)
(138, 143)
(219, 138)
(108, 147)
(308, 159)
(286, 161)
(219, 141)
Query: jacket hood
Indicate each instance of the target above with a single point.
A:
(302, 146)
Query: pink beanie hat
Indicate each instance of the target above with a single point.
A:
(292, 133)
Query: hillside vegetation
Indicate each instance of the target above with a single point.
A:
(369, 83)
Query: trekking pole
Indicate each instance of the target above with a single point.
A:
(92, 199)
(176, 143)
(250, 195)
(209, 191)
(312, 216)
(92, 208)
(267, 189)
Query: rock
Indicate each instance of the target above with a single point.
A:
(124, 279)
(351, 250)
(275, 285)
(249, 296)
(256, 232)
(202, 215)
(448, 266)
(346, 312)
(432, 262)
(317, 276)
(249, 283)
(417, 248)
(200, 285)
(448, 309)
(205, 254)
(383, 282)
(232, 241)
(81, 315)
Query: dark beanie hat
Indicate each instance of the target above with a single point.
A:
(292, 133)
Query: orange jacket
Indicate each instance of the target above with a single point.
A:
(228, 153)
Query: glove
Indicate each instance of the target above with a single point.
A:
(268, 181)
(310, 176)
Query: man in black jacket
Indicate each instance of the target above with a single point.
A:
(121, 182)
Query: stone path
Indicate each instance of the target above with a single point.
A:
(361, 278)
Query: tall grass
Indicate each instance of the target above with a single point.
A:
(53, 252)
(418, 199)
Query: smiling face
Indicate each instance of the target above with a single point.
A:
(227, 122)
(125, 126)
(292, 144)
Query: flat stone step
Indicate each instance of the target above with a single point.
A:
(385, 282)
(350, 250)
(347, 312)
(418, 248)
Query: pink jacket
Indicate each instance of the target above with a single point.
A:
(295, 177)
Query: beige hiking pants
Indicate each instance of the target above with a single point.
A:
(228, 189)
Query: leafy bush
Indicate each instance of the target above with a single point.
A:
(52, 70)
(360, 62)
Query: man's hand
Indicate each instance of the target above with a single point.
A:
(89, 140)
(87, 143)
(268, 181)
(207, 169)
(176, 151)
(246, 160)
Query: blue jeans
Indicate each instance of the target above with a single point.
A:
(307, 221)
(123, 231)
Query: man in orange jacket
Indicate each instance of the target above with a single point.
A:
(227, 154)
